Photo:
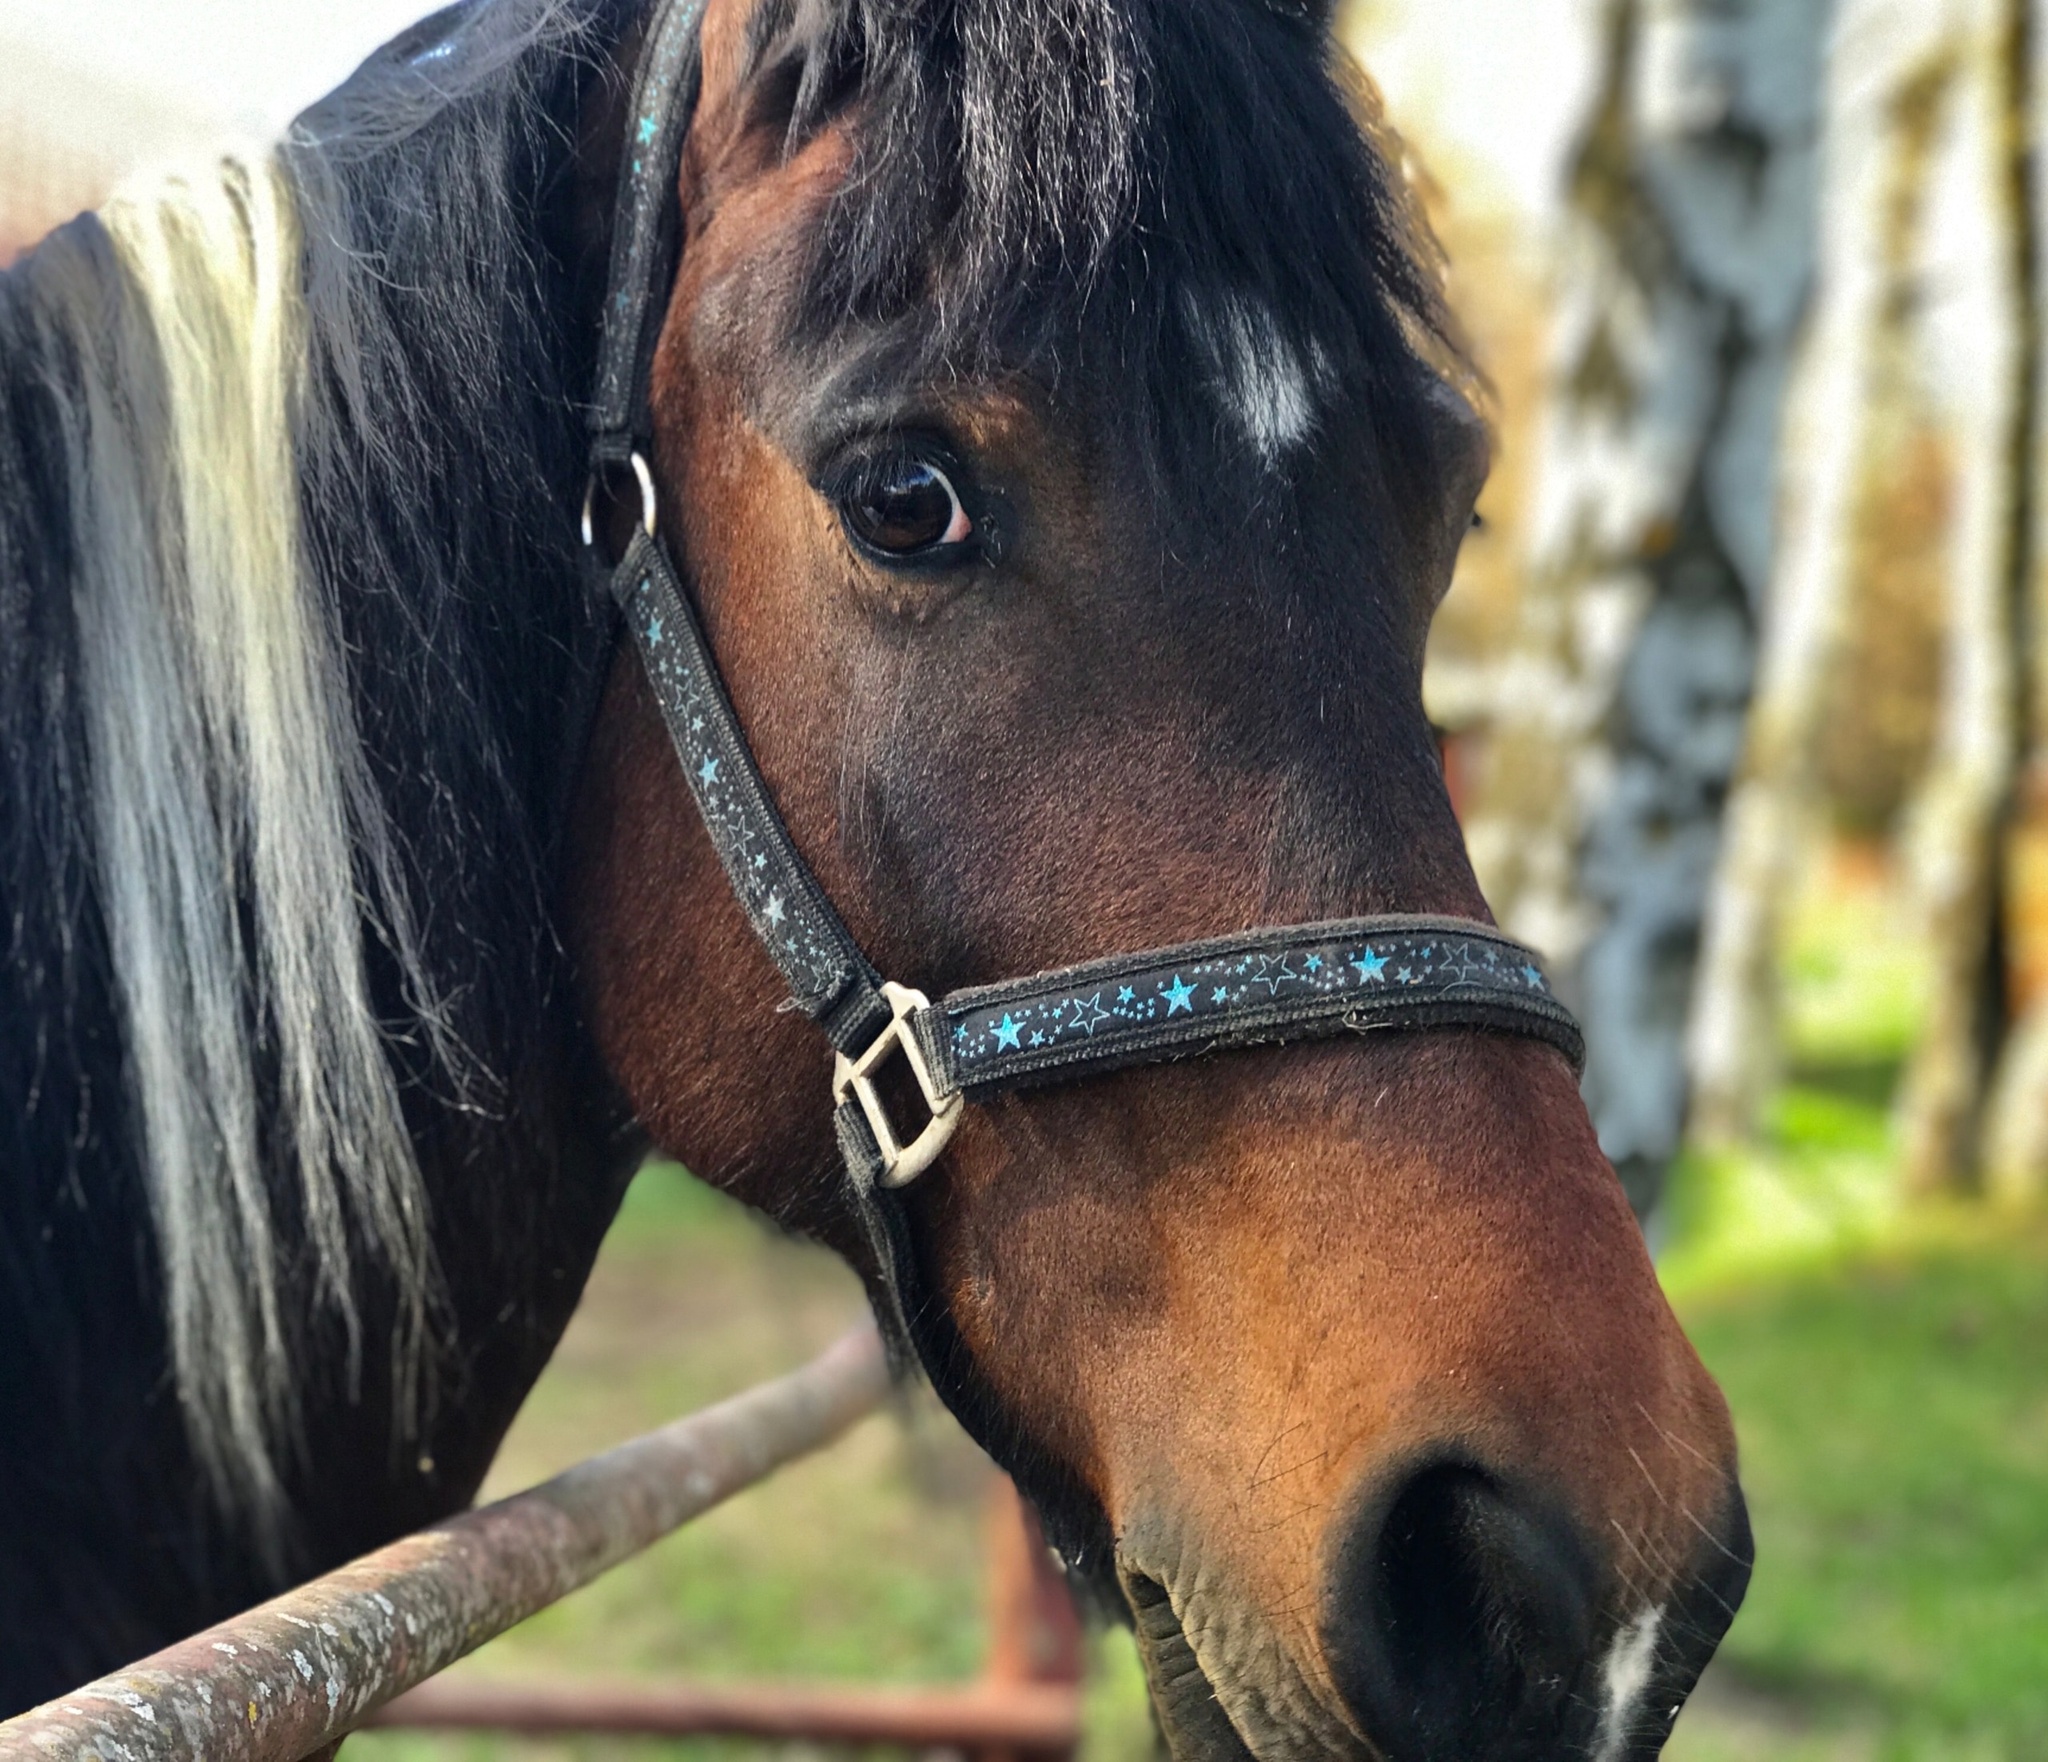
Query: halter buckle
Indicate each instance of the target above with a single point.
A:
(901, 1163)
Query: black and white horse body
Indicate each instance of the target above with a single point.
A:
(290, 631)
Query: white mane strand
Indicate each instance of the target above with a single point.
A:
(232, 810)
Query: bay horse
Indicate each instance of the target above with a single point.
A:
(1055, 414)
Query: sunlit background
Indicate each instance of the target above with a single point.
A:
(90, 87)
(1873, 1294)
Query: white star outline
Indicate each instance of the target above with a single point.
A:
(1272, 980)
(1088, 1013)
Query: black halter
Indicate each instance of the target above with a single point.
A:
(1257, 988)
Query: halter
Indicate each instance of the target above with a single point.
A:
(1260, 987)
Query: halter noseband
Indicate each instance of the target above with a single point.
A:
(1259, 987)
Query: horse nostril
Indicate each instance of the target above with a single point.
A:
(1458, 1618)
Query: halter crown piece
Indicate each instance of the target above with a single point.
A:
(1259, 987)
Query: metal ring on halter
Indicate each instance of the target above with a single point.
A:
(647, 501)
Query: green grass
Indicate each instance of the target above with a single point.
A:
(1888, 1371)
(1893, 1411)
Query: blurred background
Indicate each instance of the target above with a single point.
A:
(1743, 690)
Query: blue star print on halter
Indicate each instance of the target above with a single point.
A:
(708, 771)
(1217, 986)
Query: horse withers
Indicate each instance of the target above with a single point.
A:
(1056, 421)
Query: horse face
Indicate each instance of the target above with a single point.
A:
(1344, 1364)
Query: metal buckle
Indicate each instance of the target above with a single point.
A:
(901, 1164)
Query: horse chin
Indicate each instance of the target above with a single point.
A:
(1233, 1693)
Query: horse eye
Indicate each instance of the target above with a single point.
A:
(904, 508)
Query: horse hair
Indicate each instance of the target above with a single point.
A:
(1201, 194)
(291, 621)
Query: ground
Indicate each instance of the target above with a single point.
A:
(1888, 1371)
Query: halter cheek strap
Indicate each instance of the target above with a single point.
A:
(1258, 987)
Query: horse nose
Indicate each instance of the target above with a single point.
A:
(1458, 1617)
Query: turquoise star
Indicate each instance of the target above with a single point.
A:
(647, 131)
(1220, 995)
(774, 912)
(1178, 996)
(1534, 978)
(1006, 1034)
(708, 771)
(1315, 963)
(654, 634)
(1126, 995)
(1371, 966)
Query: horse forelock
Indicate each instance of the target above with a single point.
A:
(1197, 198)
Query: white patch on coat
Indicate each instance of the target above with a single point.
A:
(1272, 394)
(1627, 1673)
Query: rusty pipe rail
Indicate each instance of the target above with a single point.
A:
(1035, 1717)
(290, 1677)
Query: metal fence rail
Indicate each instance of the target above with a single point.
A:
(1039, 1719)
(291, 1677)
(1024, 1706)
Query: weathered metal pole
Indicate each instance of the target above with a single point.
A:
(290, 1677)
(1034, 1719)
(1025, 1707)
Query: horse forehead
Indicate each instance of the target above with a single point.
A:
(1274, 389)
(758, 219)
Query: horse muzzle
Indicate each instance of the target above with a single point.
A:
(1461, 1619)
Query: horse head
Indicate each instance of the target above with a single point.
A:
(1056, 420)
